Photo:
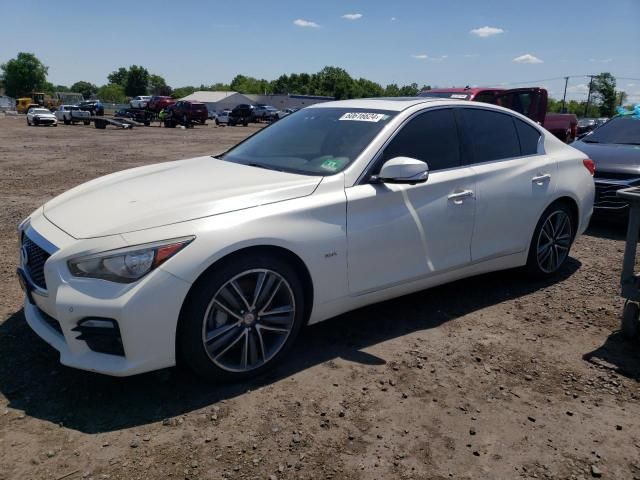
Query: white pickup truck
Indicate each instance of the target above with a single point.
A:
(71, 114)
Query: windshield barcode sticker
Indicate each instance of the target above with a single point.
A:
(364, 116)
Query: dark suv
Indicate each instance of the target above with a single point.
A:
(243, 114)
(186, 113)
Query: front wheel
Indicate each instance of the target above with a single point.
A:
(28, 122)
(241, 318)
(551, 241)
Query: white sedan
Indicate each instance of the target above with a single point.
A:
(141, 101)
(225, 258)
(41, 116)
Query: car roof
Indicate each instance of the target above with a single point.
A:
(386, 103)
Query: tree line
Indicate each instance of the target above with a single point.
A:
(26, 73)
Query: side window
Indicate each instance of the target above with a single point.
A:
(529, 137)
(431, 137)
(491, 135)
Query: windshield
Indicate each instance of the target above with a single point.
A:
(622, 130)
(314, 141)
(40, 110)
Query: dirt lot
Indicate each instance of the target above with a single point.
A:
(493, 377)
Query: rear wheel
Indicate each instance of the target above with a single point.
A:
(241, 318)
(551, 241)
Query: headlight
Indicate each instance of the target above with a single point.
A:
(126, 265)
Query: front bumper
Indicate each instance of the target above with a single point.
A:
(146, 313)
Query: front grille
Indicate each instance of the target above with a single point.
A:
(606, 196)
(36, 258)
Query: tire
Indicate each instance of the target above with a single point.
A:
(86, 122)
(217, 122)
(55, 124)
(67, 121)
(245, 124)
(245, 330)
(28, 122)
(631, 321)
(100, 124)
(549, 249)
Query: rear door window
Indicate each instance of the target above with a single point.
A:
(431, 137)
(529, 137)
(490, 135)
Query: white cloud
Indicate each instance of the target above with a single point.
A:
(601, 60)
(424, 56)
(631, 84)
(393, 19)
(305, 23)
(471, 55)
(352, 16)
(487, 31)
(581, 88)
(527, 58)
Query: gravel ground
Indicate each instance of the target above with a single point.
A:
(493, 377)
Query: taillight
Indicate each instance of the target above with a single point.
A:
(589, 165)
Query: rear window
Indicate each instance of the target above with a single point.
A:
(529, 137)
(198, 106)
(621, 130)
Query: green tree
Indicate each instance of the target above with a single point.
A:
(118, 77)
(334, 82)
(366, 88)
(112, 93)
(220, 87)
(61, 88)
(137, 82)
(85, 88)
(158, 85)
(409, 90)
(23, 75)
(392, 90)
(244, 84)
(604, 88)
(182, 91)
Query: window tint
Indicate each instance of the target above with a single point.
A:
(529, 138)
(485, 97)
(431, 137)
(491, 135)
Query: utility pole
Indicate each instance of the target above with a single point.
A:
(586, 107)
(564, 97)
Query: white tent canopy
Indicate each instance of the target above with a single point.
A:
(217, 101)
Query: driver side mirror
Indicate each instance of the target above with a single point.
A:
(403, 170)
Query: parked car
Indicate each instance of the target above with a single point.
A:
(186, 112)
(41, 116)
(286, 111)
(242, 114)
(157, 103)
(265, 112)
(614, 147)
(225, 259)
(92, 106)
(585, 125)
(222, 116)
(69, 114)
(141, 101)
(531, 102)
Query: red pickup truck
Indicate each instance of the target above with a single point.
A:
(531, 102)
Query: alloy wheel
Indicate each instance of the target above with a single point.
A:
(248, 320)
(554, 241)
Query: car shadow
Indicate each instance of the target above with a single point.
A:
(607, 228)
(619, 354)
(33, 381)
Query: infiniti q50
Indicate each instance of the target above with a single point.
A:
(221, 260)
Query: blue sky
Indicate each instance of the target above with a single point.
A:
(428, 42)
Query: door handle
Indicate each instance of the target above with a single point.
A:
(540, 179)
(459, 196)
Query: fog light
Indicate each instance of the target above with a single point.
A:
(101, 335)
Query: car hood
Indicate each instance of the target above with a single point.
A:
(611, 157)
(166, 193)
(44, 115)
